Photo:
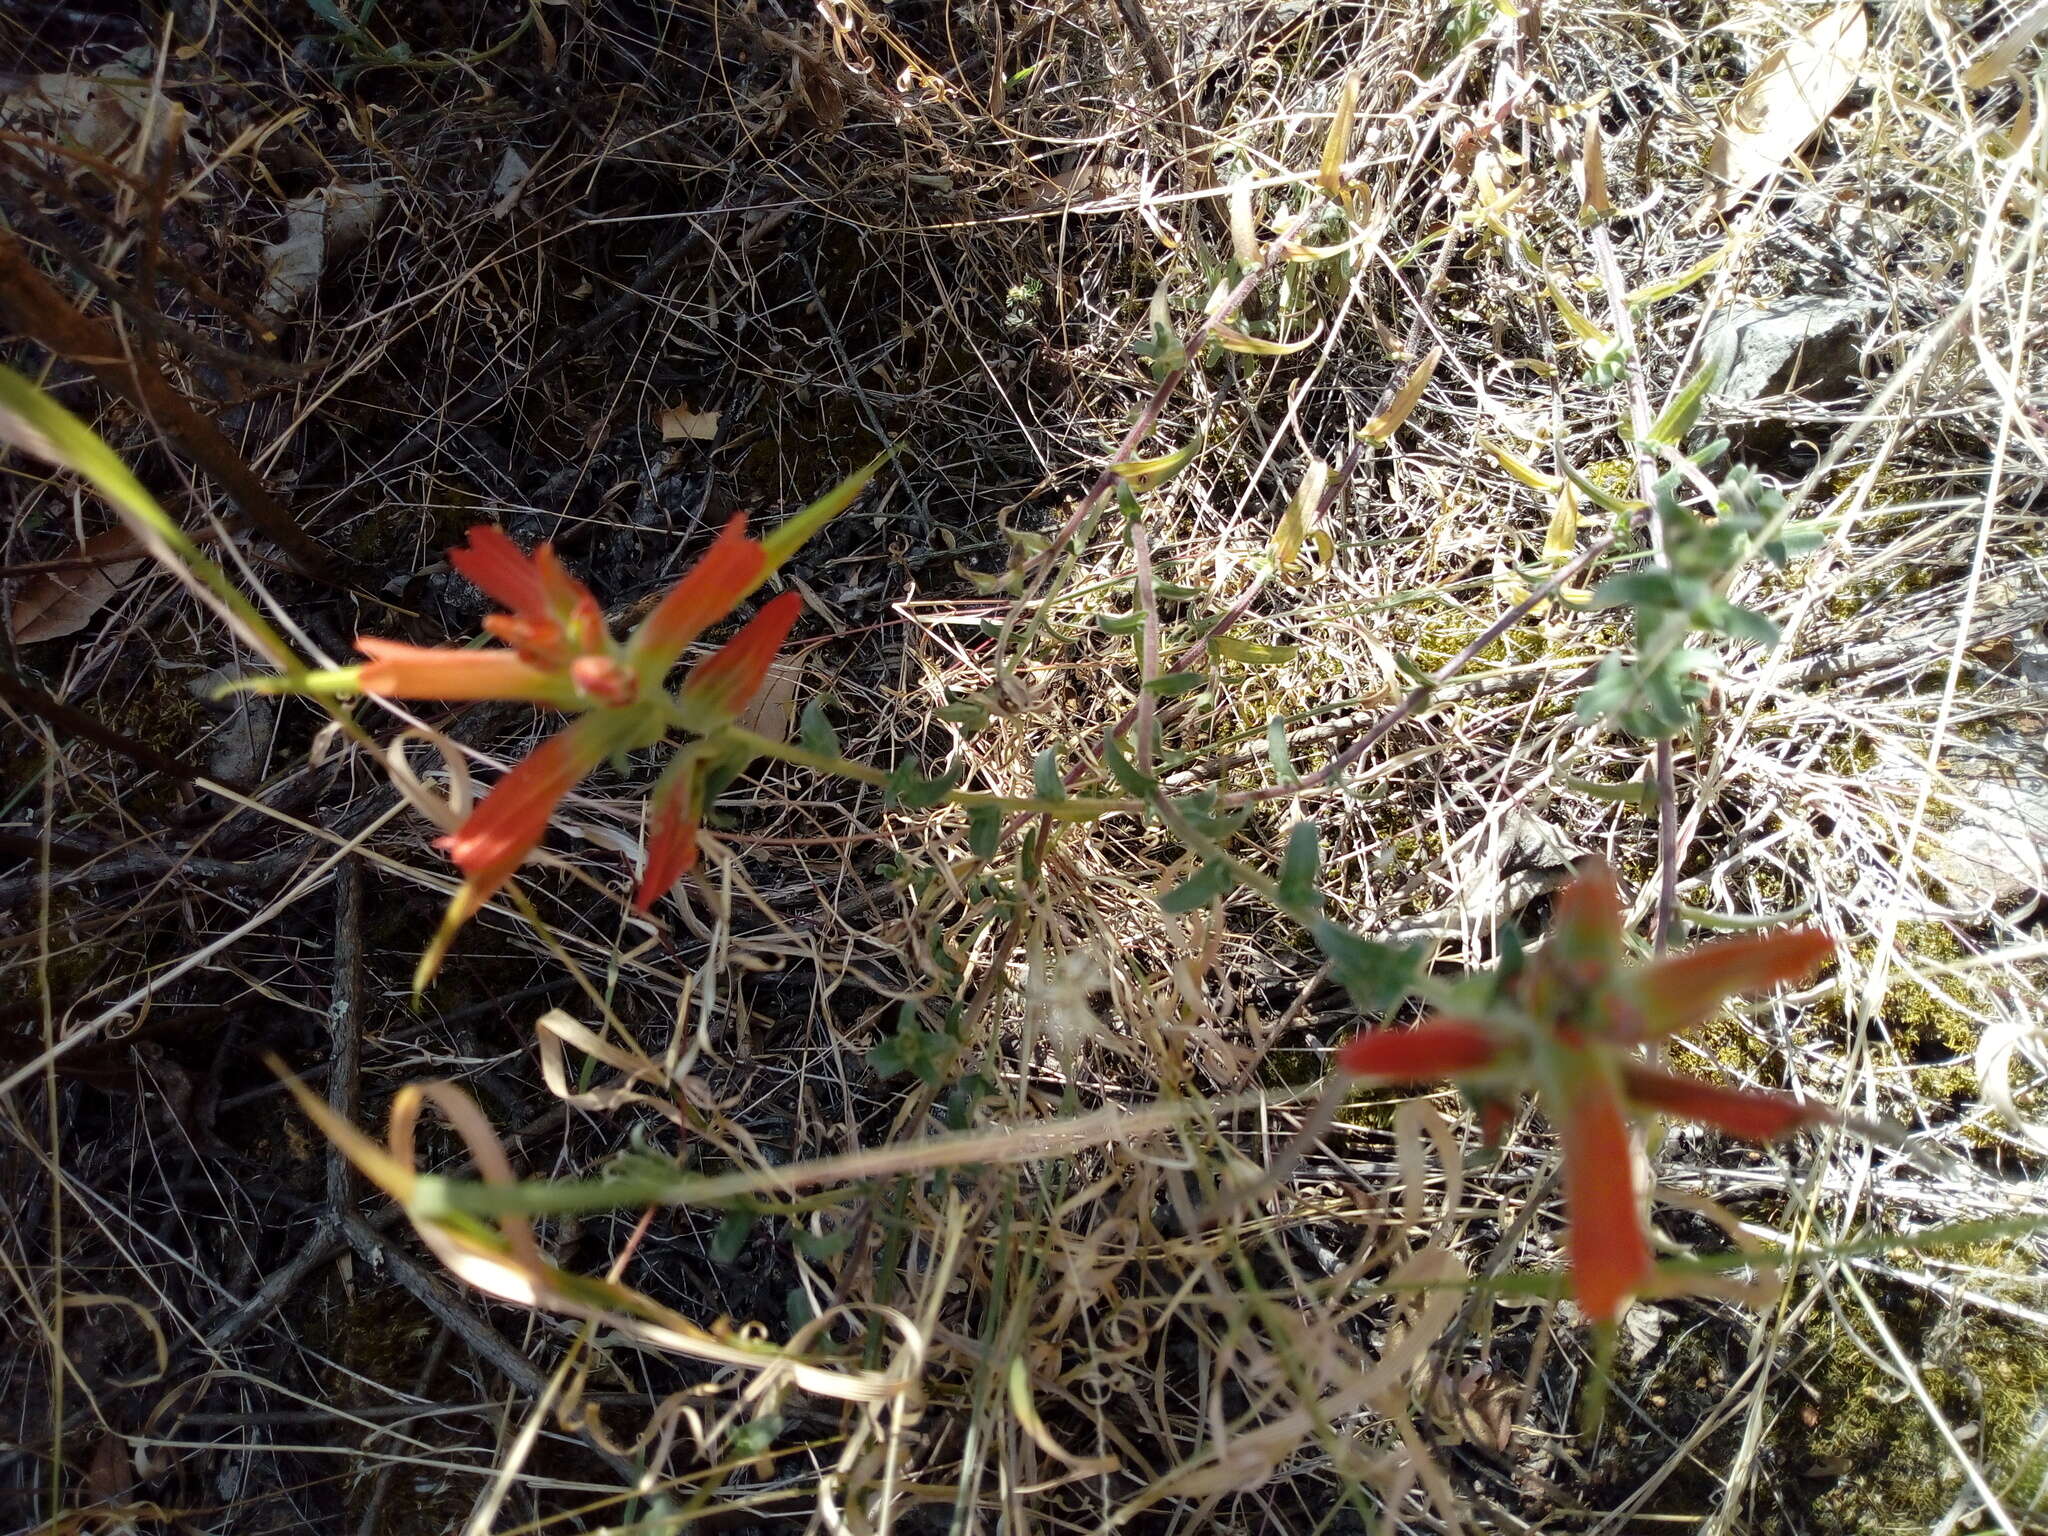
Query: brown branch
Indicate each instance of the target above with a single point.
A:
(70, 720)
(33, 307)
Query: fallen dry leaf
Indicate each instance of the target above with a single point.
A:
(60, 603)
(509, 185)
(320, 228)
(1782, 105)
(769, 713)
(98, 113)
(681, 422)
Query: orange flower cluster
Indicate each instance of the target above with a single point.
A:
(1568, 1024)
(558, 653)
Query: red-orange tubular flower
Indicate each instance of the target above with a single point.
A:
(1567, 1024)
(562, 655)
(558, 652)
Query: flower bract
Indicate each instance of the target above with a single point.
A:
(1567, 1024)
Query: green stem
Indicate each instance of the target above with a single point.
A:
(844, 768)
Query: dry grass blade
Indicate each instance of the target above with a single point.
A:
(1289, 379)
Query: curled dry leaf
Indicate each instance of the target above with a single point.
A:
(1782, 105)
(98, 113)
(509, 184)
(320, 228)
(1997, 61)
(60, 603)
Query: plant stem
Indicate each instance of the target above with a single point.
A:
(844, 768)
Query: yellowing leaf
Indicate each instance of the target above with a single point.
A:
(1231, 339)
(1293, 250)
(1025, 1412)
(1528, 474)
(1143, 475)
(1388, 422)
(1561, 538)
(393, 1176)
(680, 422)
(1295, 523)
(1009, 581)
(1671, 287)
(1576, 320)
(1251, 653)
(1337, 142)
(1794, 90)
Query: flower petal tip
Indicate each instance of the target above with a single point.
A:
(1433, 1049)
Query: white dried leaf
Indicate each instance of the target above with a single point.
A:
(509, 184)
(320, 228)
(679, 423)
(1783, 104)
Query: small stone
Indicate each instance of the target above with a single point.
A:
(1807, 344)
(1993, 852)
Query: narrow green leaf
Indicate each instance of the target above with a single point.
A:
(791, 535)
(1412, 672)
(1173, 684)
(1277, 753)
(1678, 417)
(1251, 653)
(1298, 867)
(984, 830)
(970, 714)
(1045, 776)
(1137, 785)
(1620, 506)
(825, 1245)
(1637, 589)
(1740, 623)
(1199, 889)
(1198, 809)
(912, 790)
(1636, 792)
(815, 730)
(734, 1228)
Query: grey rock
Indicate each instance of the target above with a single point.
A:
(1993, 853)
(1808, 344)
(238, 751)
